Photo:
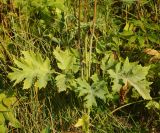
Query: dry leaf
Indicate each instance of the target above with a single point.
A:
(151, 52)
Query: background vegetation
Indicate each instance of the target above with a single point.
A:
(79, 66)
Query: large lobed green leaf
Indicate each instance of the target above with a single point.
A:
(31, 67)
(66, 60)
(65, 81)
(90, 92)
(133, 74)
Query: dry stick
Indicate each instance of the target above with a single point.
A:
(131, 104)
(92, 35)
(125, 106)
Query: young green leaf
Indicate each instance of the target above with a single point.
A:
(11, 118)
(153, 105)
(61, 82)
(3, 108)
(82, 121)
(46, 130)
(2, 96)
(2, 119)
(9, 101)
(3, 129)
(108, 62)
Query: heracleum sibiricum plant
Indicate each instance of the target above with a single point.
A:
(34, 72)
(32, 69)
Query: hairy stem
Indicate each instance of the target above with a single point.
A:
(92, 35)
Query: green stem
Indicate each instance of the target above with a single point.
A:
(91, 40)
(79, 38)
(88, 121)
(86, 59)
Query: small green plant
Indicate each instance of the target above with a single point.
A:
(7, 104)
(89, 93)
